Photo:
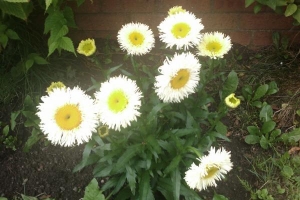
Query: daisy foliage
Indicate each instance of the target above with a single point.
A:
(136, 38)
(178, 77)
(68, 116)
(212, 168)
(181, 29)
(118, 101)
(214, 45)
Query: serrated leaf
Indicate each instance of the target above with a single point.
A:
(93, 192)
(20, 10)
(252, 139)
(130, 152)
(268, 126)
(290, 9)
(52, 47)
(48, 3)
(67, 44)
(131, 178)
(257, 8)
(176, 178)
(12, 34)
(69, 16)
(55, 20)
(57, 33)
(173, 164)
(145, 192)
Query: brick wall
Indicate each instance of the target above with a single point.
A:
(103, 19)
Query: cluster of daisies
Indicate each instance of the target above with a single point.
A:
(69, 116)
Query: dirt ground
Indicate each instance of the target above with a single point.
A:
(46, 171)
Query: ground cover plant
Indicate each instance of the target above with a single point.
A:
(176, 117)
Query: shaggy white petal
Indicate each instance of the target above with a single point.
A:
(214, 45)
(212, 168)
(59, 98)
(136, 38)
(181, 30)
(118, 117)
(185, 63)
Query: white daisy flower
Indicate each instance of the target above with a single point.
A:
(136, 38)
(181, 30)
(215, 45)
(179, 77)
(68, 116)
(118, 101)
(212, 168)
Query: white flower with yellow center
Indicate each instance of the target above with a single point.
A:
(179, 77)
(231, 101)
(175, 10)
(214, 45)
(136, 38)
(181, 30)
(87, 47)
(212, 168)
(68, 116)
(118, 102)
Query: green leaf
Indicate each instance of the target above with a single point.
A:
(17, 1)
(230, 85)
(219, 197)
(24, 197)
(287, 171)
(292, 137)
(92, 191)
(260, 91)
(28, 64)
(252, 139)
(296, 15)
(290, 9)
(257, 104)
(248, 3)
(130, 152)
(253, 130)
(52, 47)
(266, 112)
(48, 3)
(34, 138)
(69, 16)
(85, 155)
(13, 117)
(268, 126)
(55, 20)
(104, 171)
(40, 60)
(3, 198)
(221, 128)
(145, 192)
(57, 33)
(264, 143)
(3, 40)
(19, 10)
(257, 8)
(173, 164)
(67, 44)
(176, 178)
(131, 178)
(272, 88)
(5, 130)
(12, 34)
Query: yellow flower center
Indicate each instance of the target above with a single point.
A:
(117, 101)
(87, 47)
(233, 100)
(214, 46)
(181, 78)
(180, 30)
(136, 38)
(211, 171)
(68, 117)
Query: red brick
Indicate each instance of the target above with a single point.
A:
(220, 21)
(261, 38)
(77, 35)
(87, 7)
(240, 37)
(190, 5)
(139, 5)
(264, 21)
(151, 19)
(112, 6)
(97, 22)
(229, 5)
